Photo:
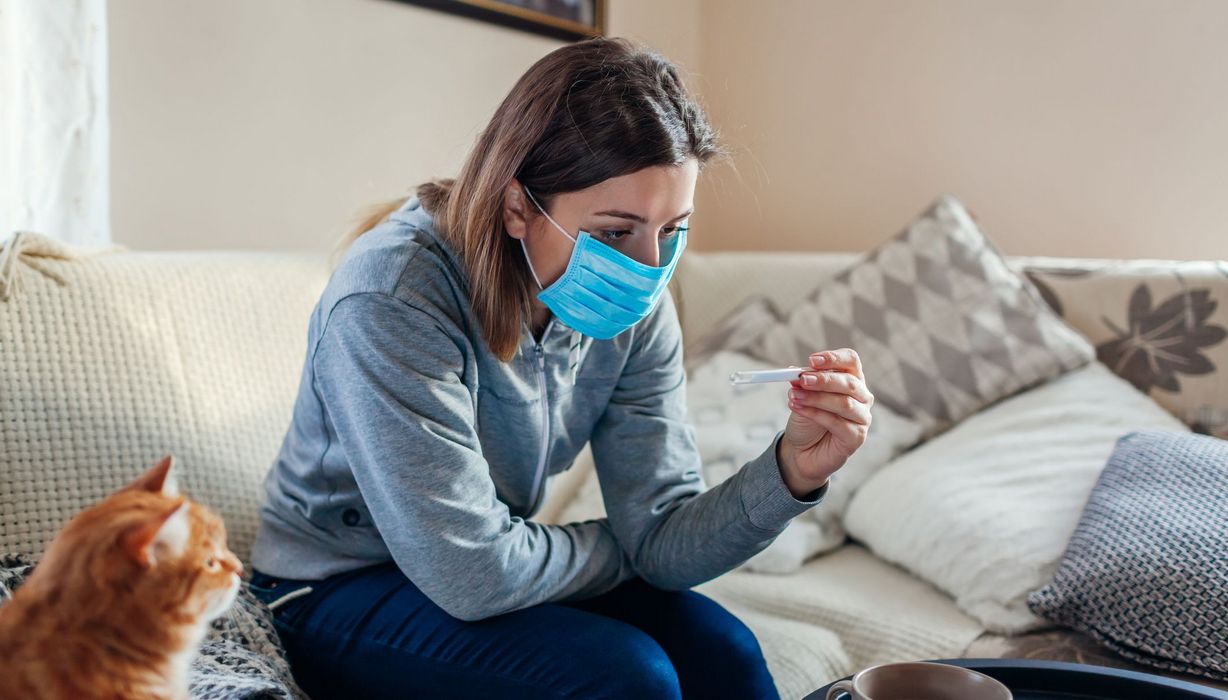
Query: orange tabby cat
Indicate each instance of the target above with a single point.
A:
(121, 600)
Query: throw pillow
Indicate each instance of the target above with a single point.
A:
(1163, 325)
(1146, 572)
(943, 325)
(985, 510)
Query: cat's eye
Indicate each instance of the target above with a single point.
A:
(211, 563)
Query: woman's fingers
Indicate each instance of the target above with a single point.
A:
(846, 431)
(835, 382)
(844, 359)
(843, 405)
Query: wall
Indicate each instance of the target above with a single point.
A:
(1090, 128)
(270, 124)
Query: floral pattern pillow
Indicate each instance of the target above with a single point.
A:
(1162, 325)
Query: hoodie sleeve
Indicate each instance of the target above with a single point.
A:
(387, 376)
(678, 534)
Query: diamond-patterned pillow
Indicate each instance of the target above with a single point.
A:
(943, 326)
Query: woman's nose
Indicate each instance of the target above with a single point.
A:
(648, 252)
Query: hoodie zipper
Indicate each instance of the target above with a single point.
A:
(539, 475)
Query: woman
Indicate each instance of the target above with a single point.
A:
(468, 346)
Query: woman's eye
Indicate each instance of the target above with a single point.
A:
(666, 233)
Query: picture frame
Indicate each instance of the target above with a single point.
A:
(561, 19)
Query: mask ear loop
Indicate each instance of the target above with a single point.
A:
(548, 217)
(530, 264)
(524, 248)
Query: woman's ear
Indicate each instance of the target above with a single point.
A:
(515, 210)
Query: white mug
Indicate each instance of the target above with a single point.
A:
(920, 680)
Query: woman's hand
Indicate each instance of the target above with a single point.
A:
(829, 421)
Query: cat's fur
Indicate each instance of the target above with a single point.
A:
(118, 605)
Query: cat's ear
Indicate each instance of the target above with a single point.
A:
(159, 537)
(159, 479)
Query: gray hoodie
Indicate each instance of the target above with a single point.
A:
(410, 441)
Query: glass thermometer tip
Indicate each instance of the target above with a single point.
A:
(765, 375)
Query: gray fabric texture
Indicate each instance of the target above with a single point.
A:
(412, 442)
(1146, 571)
(240, 659)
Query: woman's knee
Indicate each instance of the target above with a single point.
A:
(632, 664)
(726, 659)
(735, 644)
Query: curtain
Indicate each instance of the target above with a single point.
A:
(54, 129)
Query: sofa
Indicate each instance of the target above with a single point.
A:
(111, 358)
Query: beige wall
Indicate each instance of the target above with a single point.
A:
(1086, 128)
(268, 124)
(1070, 128)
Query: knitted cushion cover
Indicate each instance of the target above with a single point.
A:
(111, 359)
(1146, 572)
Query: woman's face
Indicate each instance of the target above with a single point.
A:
(629, 213)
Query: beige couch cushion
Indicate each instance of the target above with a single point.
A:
(880, 613)
(801, 656)
(139, 354)
(707, 286)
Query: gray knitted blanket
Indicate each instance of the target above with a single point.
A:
(241, 659)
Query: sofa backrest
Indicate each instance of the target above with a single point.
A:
(110, 361)
(708, 285)
(1161, 324)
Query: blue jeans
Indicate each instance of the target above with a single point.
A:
(371, 633)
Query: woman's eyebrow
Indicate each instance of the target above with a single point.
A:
(640, 219)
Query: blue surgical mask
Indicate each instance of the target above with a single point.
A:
(603, 292)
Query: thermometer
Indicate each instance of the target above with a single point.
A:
(756, 376)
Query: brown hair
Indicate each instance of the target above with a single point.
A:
(582, 114)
